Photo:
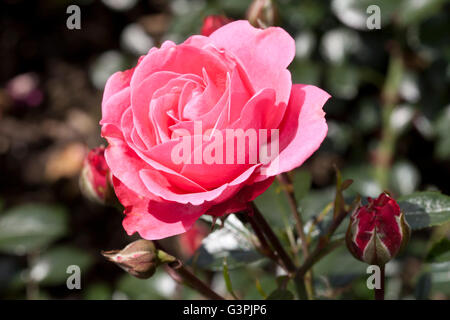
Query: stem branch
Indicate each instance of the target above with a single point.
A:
(272, 238)
(287, 186)
(179, 273)
(389, 96)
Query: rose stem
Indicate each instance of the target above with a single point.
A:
(178, 268)
(286, 185)
(379, 293)
(389, 96)
(323, 247)
(273, 239)
(265, 248)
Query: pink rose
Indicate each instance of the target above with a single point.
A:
(234, 79)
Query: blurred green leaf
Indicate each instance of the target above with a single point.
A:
(302, 183)
(364, 182)
(342, 81)
(440, 277)
(405, 177)
(413, 11)
(316, 201)
(442, 150)
(340, 263)
(340, 135)
(274, 205)
(160, 286)
(50, 268)
(305, 71)
(440, 251)
(423, 286)
(303, 14)
(98, 291)
(281, 294)
(353, 12)
(31, 226)
(425, 209)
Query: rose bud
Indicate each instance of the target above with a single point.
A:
(377, 231)
(139, 258)
(95, 178)
(262, 13)
(212, 23)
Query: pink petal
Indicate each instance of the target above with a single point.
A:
(155, 220)
(264, 54)
(241, 199)
(303, 128)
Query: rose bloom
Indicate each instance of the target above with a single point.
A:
(234, 79)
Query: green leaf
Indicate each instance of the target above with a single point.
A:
(440, 251)
(31, 226)
(227, 278)
(51, 267)
(425, 209)
(281, 294)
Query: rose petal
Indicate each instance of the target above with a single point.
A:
(155, 220)
(264, 54)
(303, 128)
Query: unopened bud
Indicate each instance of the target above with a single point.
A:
(139, 258)
(212, 23)
(95, 178)
(262, 13)
(377, 231)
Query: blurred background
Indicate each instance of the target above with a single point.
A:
(389, 122)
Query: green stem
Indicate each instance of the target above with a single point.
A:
(287, 186)
(385, 150)
(263, 246)
(273, 239)
(324, 246)
(177, 268)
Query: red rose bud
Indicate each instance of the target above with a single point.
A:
(139, 258)
(95, 179)
(377, 231)
(262, 13)
(212, 23)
